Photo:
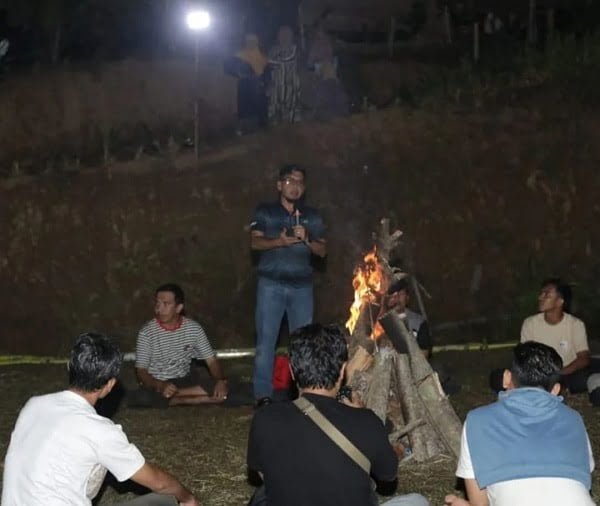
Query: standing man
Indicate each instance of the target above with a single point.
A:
(527, 448)
(61, 448)
(166, 346)
(286, 233)
(554, 326)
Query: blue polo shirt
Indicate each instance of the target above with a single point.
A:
(289, 264)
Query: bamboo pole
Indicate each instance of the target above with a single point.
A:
(237, 353)
(549, 24)
(448, 24)
(476, 42)
(392, 37)
(531, 25)
(301, 28)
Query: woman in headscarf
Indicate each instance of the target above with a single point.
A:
(284, 93)
(249, 67)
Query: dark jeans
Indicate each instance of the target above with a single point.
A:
(273, 300)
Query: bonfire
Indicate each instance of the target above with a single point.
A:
(387, 371)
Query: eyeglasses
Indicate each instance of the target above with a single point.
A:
(290, 181)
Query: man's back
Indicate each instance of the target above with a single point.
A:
(527, 448)
(304, 467)
(60, 450)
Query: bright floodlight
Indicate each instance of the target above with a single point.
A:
(198, 20)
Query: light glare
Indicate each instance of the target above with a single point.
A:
(198, 20)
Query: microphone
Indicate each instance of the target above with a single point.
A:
(296, 217)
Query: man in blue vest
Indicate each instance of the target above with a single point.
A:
(527, 448)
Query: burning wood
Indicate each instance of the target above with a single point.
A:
(368, 284)
(396, 382)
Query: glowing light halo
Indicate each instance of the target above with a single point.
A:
(198, 20)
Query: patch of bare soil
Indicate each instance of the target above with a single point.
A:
(206, 447)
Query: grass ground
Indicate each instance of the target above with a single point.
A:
(206, 447)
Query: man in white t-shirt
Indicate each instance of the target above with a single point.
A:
(554, 326)
(61, 448)
(527, 448)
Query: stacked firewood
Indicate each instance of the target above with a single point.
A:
(391, 376)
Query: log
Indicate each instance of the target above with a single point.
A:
(360, 361)
(362, 331)
(439, 411)
(423, 439)
(378, 395)
(360, 386)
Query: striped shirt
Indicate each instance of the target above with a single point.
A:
(167, 354)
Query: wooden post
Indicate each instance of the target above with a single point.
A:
(301, 28)
(392, 37)
(476, 42)
(448, 24)
(531, 25)
(549, 24)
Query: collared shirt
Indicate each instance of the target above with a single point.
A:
(291, 264)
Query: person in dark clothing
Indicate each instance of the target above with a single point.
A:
(249, 67)
(302, 465)
(397, 298)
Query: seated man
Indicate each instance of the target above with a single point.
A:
(554, 326)
(165, 348)
(527, 448)
(397, 298)
(301, 464)
(61, 448)
(557, 328)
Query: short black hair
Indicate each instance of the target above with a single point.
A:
(398, 286)
(563, 289)
(536, 365)
(175, 289)
(317, 353)
(95, 359)
(286, 170)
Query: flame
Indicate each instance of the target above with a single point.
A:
(367, 283)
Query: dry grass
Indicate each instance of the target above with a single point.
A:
(206, 446)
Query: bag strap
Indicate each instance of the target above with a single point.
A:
(310, 410)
